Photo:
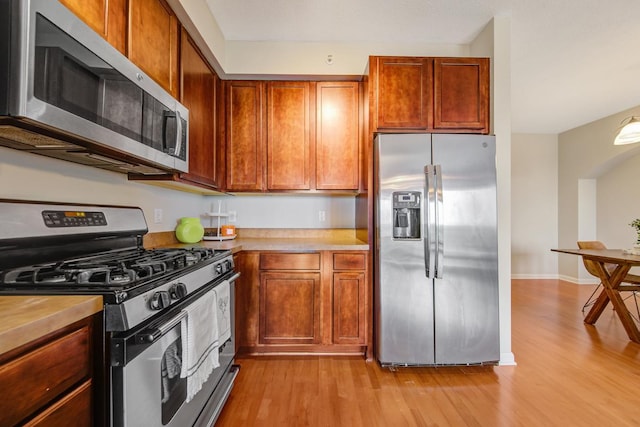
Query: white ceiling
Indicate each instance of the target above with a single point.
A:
(573, 61)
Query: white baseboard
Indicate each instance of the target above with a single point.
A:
(507, 359)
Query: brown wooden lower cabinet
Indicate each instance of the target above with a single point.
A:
(49, 381)
(289, 308)
(302, 302)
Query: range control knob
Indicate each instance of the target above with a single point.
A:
(219, 269)
(178, 291)
(160, 300)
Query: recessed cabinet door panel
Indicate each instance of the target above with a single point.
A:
(107, 18)
(348, 308)
(289, 308)
(289, 136)
(153, 41)
(461, 94)
(199, 85)
(337, 136)
(245, 136)
(404, 98)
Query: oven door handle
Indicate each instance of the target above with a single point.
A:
(234, 277)
(150, 335)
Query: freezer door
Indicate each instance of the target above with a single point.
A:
(403, 294)
(466, 295)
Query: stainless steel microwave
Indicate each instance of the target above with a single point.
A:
(67, 93)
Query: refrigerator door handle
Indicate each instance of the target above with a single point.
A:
(439, 227)
(429, 235)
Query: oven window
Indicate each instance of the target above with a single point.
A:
(174, 388)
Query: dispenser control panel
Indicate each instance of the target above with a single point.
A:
(406, 214)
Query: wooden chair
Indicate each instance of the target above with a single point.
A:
(632, 279)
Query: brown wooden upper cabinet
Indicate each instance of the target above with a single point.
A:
(448, 95)
(200, 87)
(146, 31)
(290, 146)
(403, 92)
(106, 17)
(338, 135)
(152, 36)
(461, 94)
(293, 136)
(245, 135)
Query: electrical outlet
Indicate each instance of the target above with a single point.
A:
(233, 217)
(157, 215)
(322, 216)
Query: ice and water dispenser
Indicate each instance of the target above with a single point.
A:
(406, 214)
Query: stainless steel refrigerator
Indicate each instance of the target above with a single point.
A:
(436, 260)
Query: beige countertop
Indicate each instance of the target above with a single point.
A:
(26, 318)
(287, 244)
(277, 240)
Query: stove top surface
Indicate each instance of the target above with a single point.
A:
(108, 271)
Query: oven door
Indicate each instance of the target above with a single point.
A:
(148, 390)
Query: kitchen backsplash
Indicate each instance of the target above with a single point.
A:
(31, 177)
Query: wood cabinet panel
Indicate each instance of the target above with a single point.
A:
(289, 261)
(247, 288)
(403, 95)
(349, 308)
(152, 35)
(349, 261)
(289, 308)
(245, 135)
(105, 17)
(337, 135)
(73, 410)
(199, 93)
(446, 95)
(36, 378)
(461, 93)
(289, 136)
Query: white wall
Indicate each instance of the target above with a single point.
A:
(589, 163)
(534, 205)
(618, 203)
(28, 176)
(301, 211)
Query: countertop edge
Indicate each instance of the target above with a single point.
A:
(31, 317)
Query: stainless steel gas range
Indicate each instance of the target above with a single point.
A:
(169, 342)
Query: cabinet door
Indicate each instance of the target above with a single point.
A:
(245, 135)
(153, 41)
(289, 308)
(337, 135)
(199, 92)
(105, 17)
(289, 136)
(349, 308)
(461, 94)
(403, 92)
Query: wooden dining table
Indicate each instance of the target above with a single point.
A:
(612, 281)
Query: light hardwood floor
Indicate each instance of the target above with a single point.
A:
(567, 374)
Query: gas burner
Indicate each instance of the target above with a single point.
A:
(117, 269)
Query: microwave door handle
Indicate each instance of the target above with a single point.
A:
(178, 145)
(438, 221)
(429, 224)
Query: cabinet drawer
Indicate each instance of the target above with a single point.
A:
(40, 376)
(347, 261)
(74, 409)
(284, 261)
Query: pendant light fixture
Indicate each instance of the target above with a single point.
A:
(629, 131)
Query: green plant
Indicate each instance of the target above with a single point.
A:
(636, 224)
